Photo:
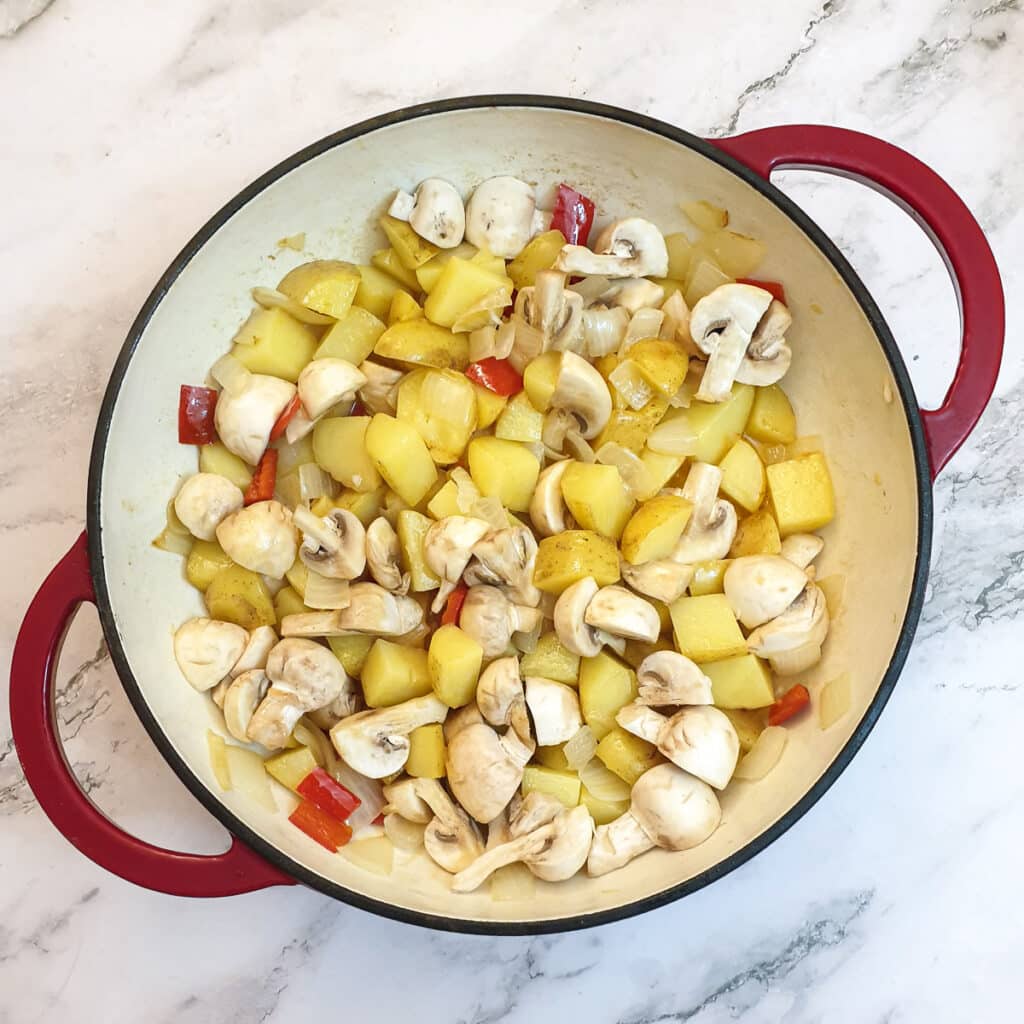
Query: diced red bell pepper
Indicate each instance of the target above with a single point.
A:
(358, 409)
(573, 215)
(497, 375)
(320, 826)
(282, 421)
(195, 415)
(769, 286)
(453, 608)
(379, 820)
(331, 797)
(264, 479)
(790, 703)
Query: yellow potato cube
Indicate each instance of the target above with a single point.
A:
(627, 755)
(401, 457)
(520, 421)
(570, 556)
(339, 446)
(663, 363)
(351, 651)
(445, 502)
(654, 528)
(388, 261)
(273, 342)
(420, 343)
(606, 686)
(404, 307)
(680, 249)
(297, 577)
(742, 681)
(632, 427)
(756, 535)
(287, 601)
(715, 426)
(240, 596)
(564, 786)
(540, 254)
(660, 468)
(215, 458)
(412, 250)
(540, 378)
(429, 273)
(706, 216)
(393, 673)
(772, 420)
(204, 561)
(364, 505)
(553, 758)
(427, 752)
(551, 660)
(743, 477)
(352, 338)
(376, 290)
(454, 662)
(748, 724)
(506, 470)
(706, 629)
(325, 286)
(441, 405)
(708, 576)
(412, 529)
(462, 285)
(489, 406)
(597, 498)
(801, 494)
(604, 812)
(291, 767)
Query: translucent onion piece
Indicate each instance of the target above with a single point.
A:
(512, 882)
(604, 330)
(645, 323)
(376, 855)
(288, 491)
(293, 454)
(229, 373)
(482, 343)
(315, 483)
(174, 524)
(763, 756)
(505, 339)
(405, 835)
(630, 382)
(603, 784)
(270, 298)
(173, 542)
(249, 777)
(635, 475)
(684, 396)
(492, 512)
(673, 437)
(325, 593)
(467, 494)
(834, 701)
(219, 759)
(309, 735)
(368, 791)
(591, 288)
(579, 446)
(804, 446)
(579, 751)
(487, 311)
(529, 343)
(834, 589)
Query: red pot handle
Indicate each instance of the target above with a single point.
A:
(950, 226)
(33, 722)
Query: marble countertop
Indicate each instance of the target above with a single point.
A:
(899, 897)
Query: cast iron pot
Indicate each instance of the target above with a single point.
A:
(848, 384)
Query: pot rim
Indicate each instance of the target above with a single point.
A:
(274, 855)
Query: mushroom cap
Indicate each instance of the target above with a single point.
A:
(768, 356)
(327, 381)
(702, 741)
(260, 537)
(631, 247)
(555, 709)
(554, 310)
(570, 618)
(499, 216)
(482, 773)
(620, 612)
(384, 556)
(664, 579)
(802, 548)
(676, 810)
(333, 545)
(805, 621)
(498, 690)
(668, 678)
(509, 556)
(567, 851)
(378, 393)
(274, 719)
(548, 511)
(204, 500)
(762, 587)
(438, 214)
(244, 418)
(582, 391)
(404, 799)
(616, 844)
(309, 670)
(448, 545)
(206, 650)
(489, 617)
(258, 647)
(459, 718)
(241, 699)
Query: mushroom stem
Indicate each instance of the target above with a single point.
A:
(501, 856)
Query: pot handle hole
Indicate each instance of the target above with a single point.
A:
(947, 222)
(46, 769)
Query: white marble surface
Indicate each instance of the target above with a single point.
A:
(900, 896)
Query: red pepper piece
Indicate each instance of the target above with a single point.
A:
(769, 286)
(264, 479)
(282, 421)
(320, 826)
(331, 797)
(195, 415)
(358, 409)
(497, 375)
(379, 820)
(453, 608)
(790, 703)
(573, 215)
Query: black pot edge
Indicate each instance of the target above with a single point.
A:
(485, 927)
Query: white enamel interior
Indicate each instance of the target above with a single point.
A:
(841, 386)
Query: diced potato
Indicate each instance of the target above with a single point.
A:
(716, 426)
(441, 405)
(393, 673)
(421, 343)
(663, 363)
(704, 215)
(412, 250)
(551, 660)
(631, 427)
(597, 497)
(757, 534)
(680, 249)
(445, 502)
(364, 505)
(520, 421)
(430, 273)
(404, 307)
(706, 629)
(288, 601)
(426, 752)
(564, 786)
(540, 378)
(352, 338)
(604, 812)
(637, 650)
(553, 758)
(339, 445)
(670, 286)
(412, 528)
(273, 342)
(240, 596)
(801, 494)
(291, 767)
(325, 286)
(486, 260)
(454, 663)
(742, 681)
(401, 457)
(627, 755)
(462, 285)
(570, 556)
(772, 419)
(506, 470)
(655, 528)
(215, 458)
(606, 686)
(388, 261)
(660, 468)
(489, 406)
(736, 254)
(705, 277)
(748, 725)
(540, 254)
(351, 651)
(376, 290)
(297, 577)
(204, 561)
(743, 477)
(708, 576)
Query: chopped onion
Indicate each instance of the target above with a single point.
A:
(763, 756)
(684, 396)
(529, 343)
(591, 288)
(288, 491)
(677, 319)
(492, 512)
(804, 446)
(673, 437)
(635, 475)
(486, 311)
(293, 454)
(512, 882)
(325, 593)
(376, 854)
(644, 323)
(404, 834)
(604, 330)
(581, 748)
(229, 373)
(173, 542)
(467, 494)
(219, 759)
(174, 524)
(300, 424)
(834, 701)
(603, 784)
(309, 735)
(368, 790)
(504, 339)
(834, 589)
(249, 777)
(270, 298)
(482, 343)
(630, 382)
(315, 483)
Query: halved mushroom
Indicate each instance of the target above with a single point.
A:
(241, 699)
(348, 703)
(491, 618)
(548, 511)
(668, 808)
(326, 382)
(206, 650)
(435, 212)
(768, 356)
(761, 587)
(553, 311)
(712, 526)
(460, 718)
(663, 579)
(204, 501)
(452, 839)
(499, 216)
(802, 548)
(376, 743)
(260, 537)
(485, 769)
(371, 610)
(632, 247)
(333, 545)
(384, 556)
(508, 558)
(582, 391)
(555, 709)
(447, 549)
(571, 626)
(500, 697)
(617, 611)
(792, 641)
(667, 678)
(244, 417)
(257, 649)
(404, 799)
(379, 393)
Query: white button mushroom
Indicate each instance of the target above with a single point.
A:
(241, 699)
(206, 650)
(384, 556)
(548, 511)
(632, 247)
(663, 579)
(554, 311)
(617, 611)
(499, 694)
(761, 587)
(380, 392)
(333, 545)
(485, 769)
(633, 294)
(490, 618)
(204, 501)
(712, 525)
(555, 709)
(261, 642)
(508, 557)
(404, 800)
(447, 549)
(326, 382)
(260, 537)
(792, 641)
(462, 718)
(452, 839)
(668, 678)
(668, 808)
(802, 548)
(435, 212)
(499, 216)
(768, 356)
(371, 610)
(245, 417)
(582, 391)
(571, 627)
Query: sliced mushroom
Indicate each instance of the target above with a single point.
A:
(761, 587)
(663, 579)
(260, 537)
(529, 812)
(447, 549)
(384, 556)
(553, 310)
(555, 709)
(768, 356)
(509, 556)
(570, 619)
(371, 610)
(404, 799)
(617, 611)
(333, 545)
(435, 212)
(348, 703)
(548, 511)
(241, 699)
(452, 839)
(491, 618)
(485, 769)
(802, 627)
(459, 719)
(668, 678)
(712, 526)
(245, 417)
(257, 649)
(376, 743)
(326, 382)
(499, 216)
(204, 501)
(582, 391)
(206, 650)
(668, 808)
(499, 693)
(802, 548)
(379, 393)
(632, 247)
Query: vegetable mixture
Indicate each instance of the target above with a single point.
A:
(506, 538)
